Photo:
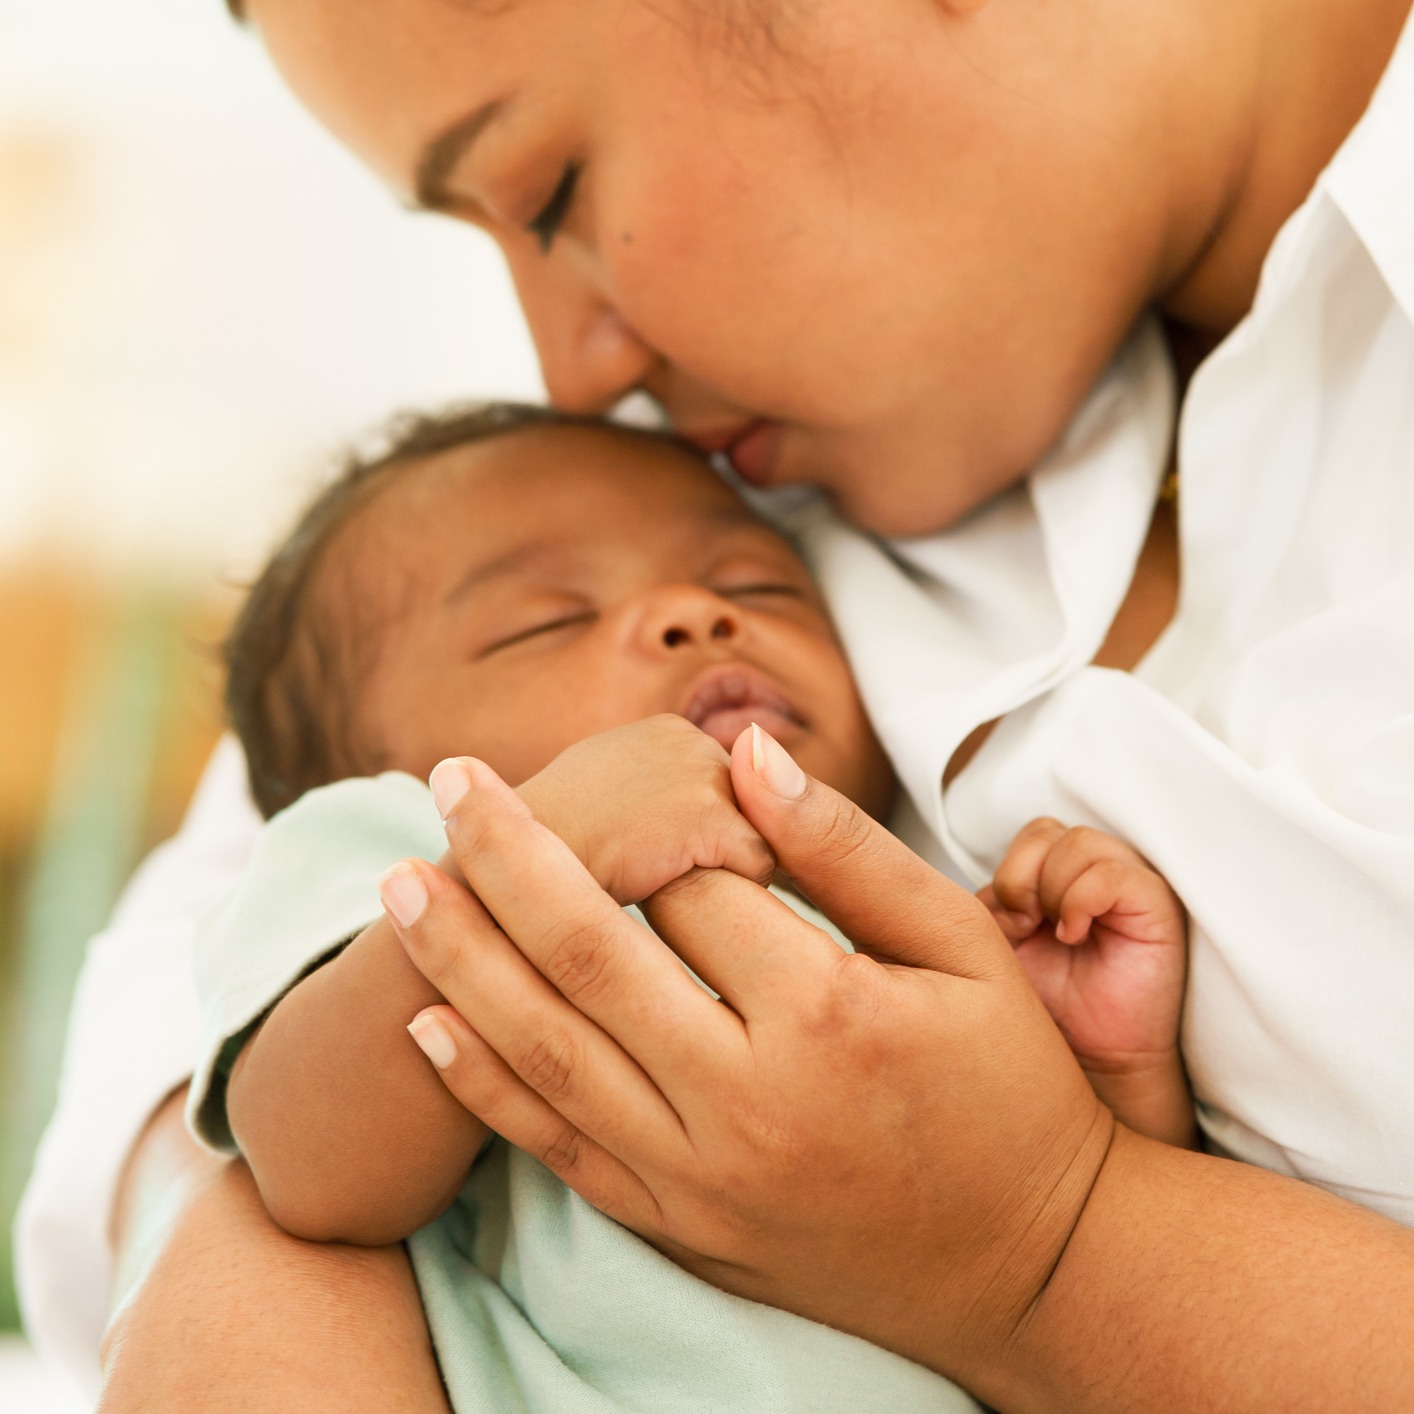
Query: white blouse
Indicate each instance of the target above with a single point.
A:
(1262, 755)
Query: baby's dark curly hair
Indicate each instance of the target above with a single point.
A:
(293, 673)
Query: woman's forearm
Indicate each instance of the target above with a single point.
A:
(217, 1309)
(1198, 1283)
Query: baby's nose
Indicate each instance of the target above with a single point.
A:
(675, 635)
(687, 615)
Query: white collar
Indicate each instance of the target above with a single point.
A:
(1371, 177)
(952, 630)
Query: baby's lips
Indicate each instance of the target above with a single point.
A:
(737, 687)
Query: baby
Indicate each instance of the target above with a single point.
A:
(594, 613)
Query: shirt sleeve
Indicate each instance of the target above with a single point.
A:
(311, 884)
(132, 1036)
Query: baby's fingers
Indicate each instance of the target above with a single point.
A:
(743, 851)
(1106, 887)
(1016, 927)
(1017, 884)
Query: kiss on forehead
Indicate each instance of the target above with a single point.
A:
(514, 594)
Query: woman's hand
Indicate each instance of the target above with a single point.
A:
(897, 1143)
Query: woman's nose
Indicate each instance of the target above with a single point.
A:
(686, 616)
(589, 355)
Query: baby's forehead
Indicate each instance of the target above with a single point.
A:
(536, 502)
(569, 479)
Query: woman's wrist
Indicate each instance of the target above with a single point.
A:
(1209, 1283)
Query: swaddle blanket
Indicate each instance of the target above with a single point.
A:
(537, 1303)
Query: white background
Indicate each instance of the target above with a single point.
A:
(200, 293)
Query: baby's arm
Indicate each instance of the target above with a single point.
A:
(336, 1110)
(1103, 939)
(348, 1130)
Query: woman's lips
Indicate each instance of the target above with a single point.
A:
(728, 699)
(750, 448)
(753, 454)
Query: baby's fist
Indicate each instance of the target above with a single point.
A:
(1100, 935)
(643, 804)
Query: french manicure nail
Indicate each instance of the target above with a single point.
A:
(449, 781)
(433, 1040)
(404, 895)
(775, 765)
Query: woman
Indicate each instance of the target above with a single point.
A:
(887, 249)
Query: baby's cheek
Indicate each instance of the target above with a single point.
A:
(853, 762)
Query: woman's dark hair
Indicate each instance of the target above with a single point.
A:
(291, 676)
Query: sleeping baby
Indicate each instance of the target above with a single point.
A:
(593, 612)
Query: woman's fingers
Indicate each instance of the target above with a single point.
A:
(604, 963)
(490, 1089)
(559, 1053)
(881, 895)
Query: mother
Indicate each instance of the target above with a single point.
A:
(887, 249)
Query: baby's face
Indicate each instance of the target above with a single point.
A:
(517, 595)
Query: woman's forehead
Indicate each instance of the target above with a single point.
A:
(407, 84)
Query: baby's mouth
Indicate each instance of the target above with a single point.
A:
(728, 699)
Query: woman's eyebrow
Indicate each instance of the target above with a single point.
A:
(444, 153)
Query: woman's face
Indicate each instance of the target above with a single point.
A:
(882, 248)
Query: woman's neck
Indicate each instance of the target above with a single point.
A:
(1311, 69)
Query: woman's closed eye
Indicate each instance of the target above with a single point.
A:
(542, 629)
(546, 224)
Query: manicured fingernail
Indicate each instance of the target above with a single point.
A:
(404, 895)
(775, 765)
(449, 781)
(433, 1040)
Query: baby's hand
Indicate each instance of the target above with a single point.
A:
(1102, 938)
(643, 804)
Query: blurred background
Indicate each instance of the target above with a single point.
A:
(201, 297)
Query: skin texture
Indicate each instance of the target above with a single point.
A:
(750, 177)
(1044, 1257)
(758, 237)
(527, 592)
(723, 246)
(1104, 941)
(532, 594)
(334, 1329)
(587, 624)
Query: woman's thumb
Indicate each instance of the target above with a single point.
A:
(890, 903)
